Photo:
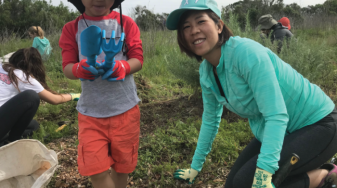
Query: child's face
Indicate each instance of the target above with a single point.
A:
(96, 8)
(201, 33)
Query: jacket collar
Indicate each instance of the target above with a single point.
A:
(207, 74)
(279, 26)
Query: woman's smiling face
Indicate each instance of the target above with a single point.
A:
(201, 33)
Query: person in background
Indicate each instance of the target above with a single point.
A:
(268, 23)
(22, 85)
(285, 22)
(40, 42)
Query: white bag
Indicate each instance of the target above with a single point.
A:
(26, 163)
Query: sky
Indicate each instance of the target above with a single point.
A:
(161, 6)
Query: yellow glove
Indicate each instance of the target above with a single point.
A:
(262, 179)
(75, 96)
(186, 174)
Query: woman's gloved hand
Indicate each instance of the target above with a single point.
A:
(262, 179)
(75, 96)
(186, 174)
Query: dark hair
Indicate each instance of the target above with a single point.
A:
(223, 36)
(81, 8)
(29, 61)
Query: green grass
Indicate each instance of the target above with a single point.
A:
(161, 153)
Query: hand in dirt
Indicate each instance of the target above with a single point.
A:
(186, 174)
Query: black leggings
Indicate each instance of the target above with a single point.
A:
(314, 144)
(16, 115)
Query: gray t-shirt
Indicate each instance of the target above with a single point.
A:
(101, 98)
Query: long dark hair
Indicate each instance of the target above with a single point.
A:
(29, 61)
(223, 36)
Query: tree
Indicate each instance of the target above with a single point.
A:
(18, 15)
(257, 8)
(330, 7)
(147, 20)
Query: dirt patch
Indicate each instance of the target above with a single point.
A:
(153, 115)
(160, 114)
(67, 175)
(66, 112)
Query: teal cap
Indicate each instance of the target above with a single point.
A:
(174, 17)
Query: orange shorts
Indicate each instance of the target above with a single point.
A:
(108, 142)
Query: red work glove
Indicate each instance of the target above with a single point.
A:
(83, 71)
(117, 72)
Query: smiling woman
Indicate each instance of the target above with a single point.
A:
(204, 21)
(287, 114)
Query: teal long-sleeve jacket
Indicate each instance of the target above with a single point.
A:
(258, 85)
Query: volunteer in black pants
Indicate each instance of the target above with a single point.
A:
(16, 115)
(314, 144)
(22, 85)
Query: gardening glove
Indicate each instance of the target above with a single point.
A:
(75, 96)
(262, 179)
(83, 71)
(117, 71)
(186, 174)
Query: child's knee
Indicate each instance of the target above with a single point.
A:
(32, 96)
(98, 177)
(118, 174)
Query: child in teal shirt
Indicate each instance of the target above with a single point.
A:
(40, 42)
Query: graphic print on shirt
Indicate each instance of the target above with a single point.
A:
(5, 79)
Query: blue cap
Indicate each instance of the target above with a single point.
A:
(174, 17)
